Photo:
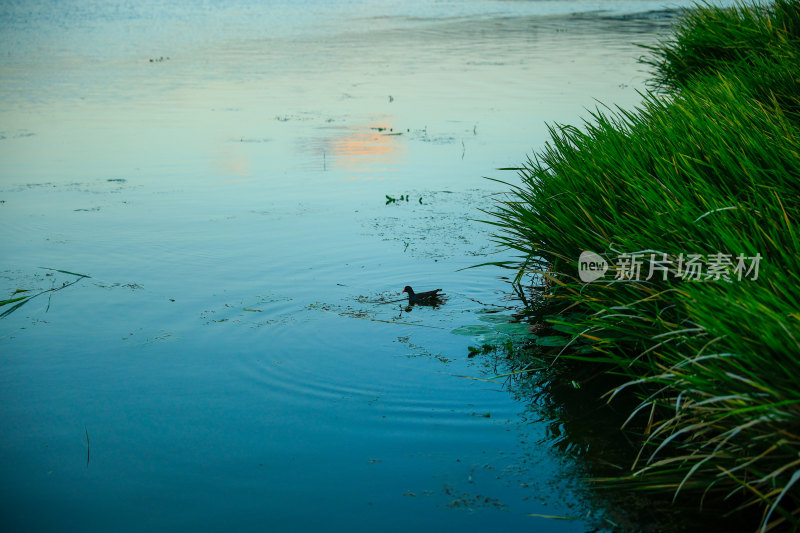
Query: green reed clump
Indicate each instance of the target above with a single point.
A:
(709, 39)
(713, 167)
(758, 42)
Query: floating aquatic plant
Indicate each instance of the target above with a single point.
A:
(19, 301)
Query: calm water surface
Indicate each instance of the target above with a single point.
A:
(221, 172)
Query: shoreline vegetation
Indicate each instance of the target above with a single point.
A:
(689, 206)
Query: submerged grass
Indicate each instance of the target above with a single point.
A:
(707, 173)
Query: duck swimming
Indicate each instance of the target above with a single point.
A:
(423, 298)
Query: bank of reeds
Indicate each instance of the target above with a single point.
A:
(698, 187)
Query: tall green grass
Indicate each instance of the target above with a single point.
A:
(711, 166)
(755, 42)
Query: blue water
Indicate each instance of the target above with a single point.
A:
(221, 171)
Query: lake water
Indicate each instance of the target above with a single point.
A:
(223, 172)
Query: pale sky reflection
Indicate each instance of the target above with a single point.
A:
(233, 164)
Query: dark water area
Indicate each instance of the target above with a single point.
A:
(225, 175)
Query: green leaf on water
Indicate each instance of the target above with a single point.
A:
(12, 300)
(495, 338)
(475, 329)
(488, 310)
(513, 329)
(67, 272)
(15, 307)
(22, 300)
(495, 319)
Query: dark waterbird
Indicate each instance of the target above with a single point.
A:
(423, 298)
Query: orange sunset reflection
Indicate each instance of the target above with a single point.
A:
(366, 152)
